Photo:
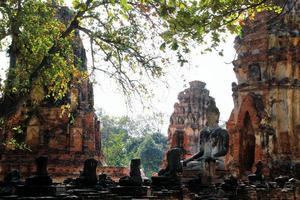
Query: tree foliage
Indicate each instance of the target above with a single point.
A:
(126, 40)
(114, 149)
(120, 144)
(151, 154)
(125, 37)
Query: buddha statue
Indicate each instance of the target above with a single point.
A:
(214, 142)
(169, 177)
(173, 163)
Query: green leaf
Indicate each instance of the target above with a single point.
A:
(162, 46)
(174, 45)
(124, 4)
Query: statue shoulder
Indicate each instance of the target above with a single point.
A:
(175, 151)
(205, 129)
(220, 132)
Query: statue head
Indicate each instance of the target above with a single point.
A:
(212, 114)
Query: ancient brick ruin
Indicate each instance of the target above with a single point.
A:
(189, 118)
(66, 139)
(264, 124)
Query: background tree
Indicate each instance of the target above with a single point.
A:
(151, 154)
(114, 149)
(120, 145)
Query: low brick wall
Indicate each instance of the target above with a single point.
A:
(114, 172)
(60, 166)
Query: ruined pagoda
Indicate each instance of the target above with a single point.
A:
(67, 139)
(189, 118)
(265, 122)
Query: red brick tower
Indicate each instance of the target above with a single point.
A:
(67, 140)
(265, 122)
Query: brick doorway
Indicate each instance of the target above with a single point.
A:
(247, 145)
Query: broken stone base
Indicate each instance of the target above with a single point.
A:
(242, 192)
(162, 182)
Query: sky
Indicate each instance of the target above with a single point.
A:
(216, 71)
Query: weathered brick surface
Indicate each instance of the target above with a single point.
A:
(66, 138)
(264, 124)
(66, 144)
(189, 118)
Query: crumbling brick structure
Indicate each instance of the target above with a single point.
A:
(68, 139)
(265, 122)
(189, 118)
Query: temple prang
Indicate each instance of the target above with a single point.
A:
(264, 124)
(190, 117)
(66, 136)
